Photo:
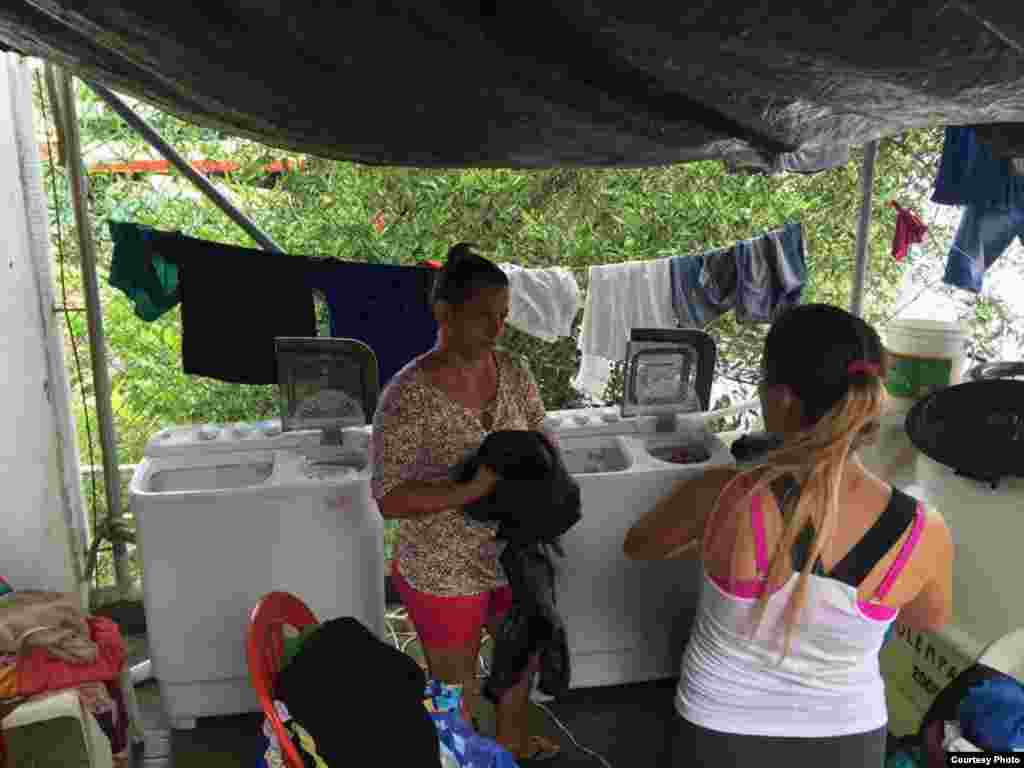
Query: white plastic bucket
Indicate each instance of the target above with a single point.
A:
(924, 356)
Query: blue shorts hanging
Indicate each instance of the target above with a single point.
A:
(771, 272)
(982, 237)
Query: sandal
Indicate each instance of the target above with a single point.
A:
(540, 749)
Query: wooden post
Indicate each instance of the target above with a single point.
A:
(68, 122)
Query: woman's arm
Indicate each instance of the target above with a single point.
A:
(417, 499)
(932, 608)
(676, 524)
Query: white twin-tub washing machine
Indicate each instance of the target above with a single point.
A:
(629, 621)
(228, 513)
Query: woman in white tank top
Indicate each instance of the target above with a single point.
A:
(807, 560)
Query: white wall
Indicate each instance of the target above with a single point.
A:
(40, 499)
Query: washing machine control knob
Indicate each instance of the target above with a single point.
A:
(581, 420)
(209, 432)
(610, 418)
(270, 428)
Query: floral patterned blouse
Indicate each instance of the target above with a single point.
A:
(419, 434)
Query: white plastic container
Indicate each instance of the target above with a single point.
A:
(925, 355)
(987, 527)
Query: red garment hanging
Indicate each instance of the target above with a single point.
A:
(909, 230)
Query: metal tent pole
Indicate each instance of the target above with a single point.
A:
(863, 225)
(94, 315)
(143, 129)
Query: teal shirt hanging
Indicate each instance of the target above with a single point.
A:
(140, 272)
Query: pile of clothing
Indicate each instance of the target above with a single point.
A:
(339, 684)
(535, 502)
(48, 645)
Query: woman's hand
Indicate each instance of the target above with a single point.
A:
(675, 526)
(484, 481)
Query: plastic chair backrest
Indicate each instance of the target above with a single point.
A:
(264, 649)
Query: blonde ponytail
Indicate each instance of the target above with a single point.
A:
(817, 457)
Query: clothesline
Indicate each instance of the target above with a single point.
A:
(757, 277)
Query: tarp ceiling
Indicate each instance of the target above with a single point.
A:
(611, 83)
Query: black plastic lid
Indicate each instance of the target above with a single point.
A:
(976, 429)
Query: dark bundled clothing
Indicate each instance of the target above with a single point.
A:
(382, 305)
(535, 501)
(533, 625)
(343, 655)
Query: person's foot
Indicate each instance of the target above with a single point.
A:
(540, 749)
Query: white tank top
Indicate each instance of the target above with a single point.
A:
(829, 684)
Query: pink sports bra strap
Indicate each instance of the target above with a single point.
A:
(760, 545)
(901, 559)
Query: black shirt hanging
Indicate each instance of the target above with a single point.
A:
(234, 301)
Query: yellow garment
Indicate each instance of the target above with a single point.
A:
(307, 744)
(8, 681)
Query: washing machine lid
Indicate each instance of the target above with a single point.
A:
(976, 429)
(668, 371)
(325, 383)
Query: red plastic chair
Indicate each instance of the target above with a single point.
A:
(264, 649)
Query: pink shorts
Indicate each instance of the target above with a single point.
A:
(450, 622)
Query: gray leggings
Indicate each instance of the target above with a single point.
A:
(692, 745)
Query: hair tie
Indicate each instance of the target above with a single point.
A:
(864, 366)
